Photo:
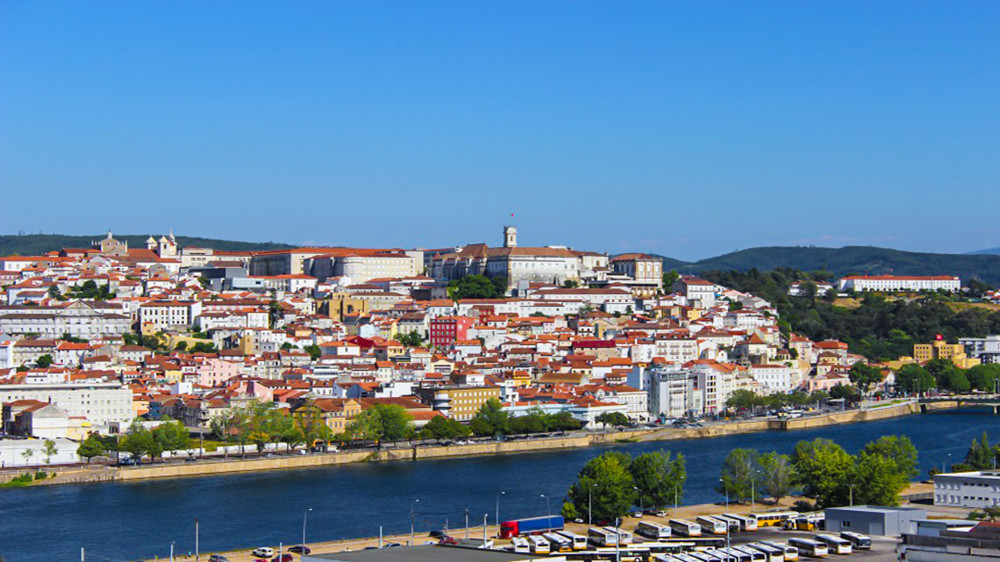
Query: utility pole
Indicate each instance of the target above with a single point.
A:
(412, 504)
(618, 540)
(305, 514)
(171, 551)
(485, 516)
(725, 486)
(851, 486)
(466, 523)
(498, 512)
(197, 555)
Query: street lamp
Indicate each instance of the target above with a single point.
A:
(590, 505)
(641, 507)
(305, 515)
(412, 507)
(851, 486)
(498, 511)
(725, 487)
(548, 508)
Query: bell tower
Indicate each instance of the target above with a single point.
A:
(510, 237)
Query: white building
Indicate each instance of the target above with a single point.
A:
(101, 403)
(967, 489)
(891, 283)
(164, 315)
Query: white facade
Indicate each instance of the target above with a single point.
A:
(100, 403)
(163, 315)
(889, 283)
(967, 489)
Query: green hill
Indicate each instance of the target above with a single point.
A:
(35, 244)
(849, 260)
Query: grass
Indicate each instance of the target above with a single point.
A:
(960, 306)
(626, 440)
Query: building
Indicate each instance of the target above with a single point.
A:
(940, 349)
(446, 330)
(101, 403)
(967, 489)
(987, 349)
(894, 283)
(430, 553)
(160, 316)
(81, 319)
(874, 519)
(458, 402)
(357, 264)
(978, 542)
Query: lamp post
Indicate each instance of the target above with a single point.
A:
(851, 486)
(305, 516)
(412, 507)
(641, 507)
(590, 505)
(548, 508)
(498, 511)
(725, 487)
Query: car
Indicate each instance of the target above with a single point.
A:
(437, 534)
(299, 549)
(217, 558)
(263, 552)
(283, 558)
(448, 540)
(393, 545)
(637, 514)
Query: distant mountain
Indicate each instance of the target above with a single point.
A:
(989, 251)
(35, 244)
(849, 260)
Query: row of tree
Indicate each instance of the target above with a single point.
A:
(942, 374)
(138, 442)
(493, 420)
(609, 485)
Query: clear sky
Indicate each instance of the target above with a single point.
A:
(683, 128)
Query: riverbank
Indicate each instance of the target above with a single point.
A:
(215, 467)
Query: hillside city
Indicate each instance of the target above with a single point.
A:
(320, 346)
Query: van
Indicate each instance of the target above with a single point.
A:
(263, 551)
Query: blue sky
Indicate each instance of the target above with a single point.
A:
(684, 128)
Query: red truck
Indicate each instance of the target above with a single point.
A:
(531, 526)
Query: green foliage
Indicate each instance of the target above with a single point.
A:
(204, 347)
(90, 290)
(605, 485)
(491, 419)
(413, 339)
(441, 427)
(876, 475)
(314, 351)
(659, 478)
(865, 375)
(913, 378)
(39, 244)
(845, 392)
(740, 476)
(822, 470)
(614, 419)
(44, 362)
(48, 450)
(984, 377)
(477, 287)
(669, 278)
(90, 447)
(981, 455)
(776, 474)
(381, 422)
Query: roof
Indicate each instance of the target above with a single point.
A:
(426, 553)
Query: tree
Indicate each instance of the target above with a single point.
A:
(491, 419)
(413, 339)
(48, 450)
(477, 287)
(740, 477)
(605, 485)
(822, 469)
(27, 454)
(776, 475)
(876, 480)
(171, 436)
(956, 381)
(614, 419)
(845, 392)
(90, 447)
(914, 379)
(310, 425)
(381, 422)
(314, 351)
(864, 376)
(140, 442)
(900, 450)
(981, 455)
(742, 399)
(669, 278)
(658, 478)
(984, 377)
(44, 362)
(441, 427)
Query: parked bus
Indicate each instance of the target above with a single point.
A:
(720, 555)
(685, 528)
(858, 541)
(835, 544)
(652, 530)
(712, 525)
(601, 537)
(746, 523)
(539, 545)
(624, 537)
(791, 553)
(578, 541)
(521, 545)
(773, 518)
(558, 543)
(734, 525)
(809, 547)
(735, 555)
(755, 555)
(774, 554)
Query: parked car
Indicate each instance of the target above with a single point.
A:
(393, 545)
(217, 558)
(283, 558)
(263, 551)
(299, 549)
(437, 534)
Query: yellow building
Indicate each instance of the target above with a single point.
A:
(459, 402)
(344, 304)
(924, 352)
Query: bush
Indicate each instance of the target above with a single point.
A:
(41, 475)
(803, 506)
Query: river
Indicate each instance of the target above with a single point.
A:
(128, 521)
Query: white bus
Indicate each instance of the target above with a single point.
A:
(653, 530)
(712, 525)
(835, 544)
(624, 537)
(521, 545)
(685, 528)
(809, 547)
(601, 537)
(858, 541)
(735, 555)
(539, 545)
(746, 523)
(774, 554)
(558, 543)
(579, 541)
(791, 553)
(734, 525)
(755, 555)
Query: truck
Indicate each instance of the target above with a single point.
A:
(531, 526)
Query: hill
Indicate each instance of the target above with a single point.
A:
(35, 244)
(849, 260)
(990, 251)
